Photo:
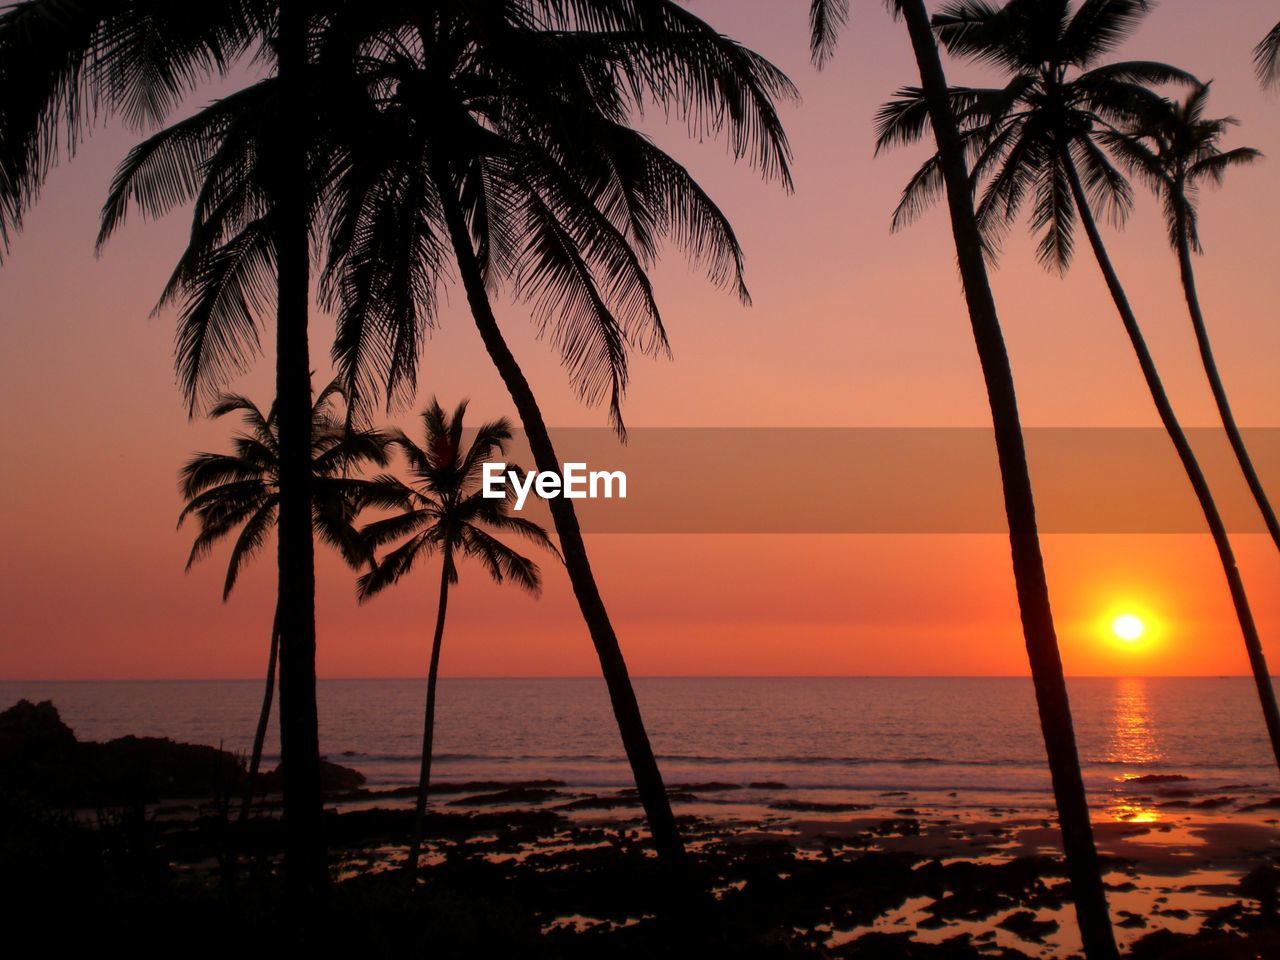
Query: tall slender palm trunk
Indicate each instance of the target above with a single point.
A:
(1252, 642)
(644, 766)
(1219, 390)
(299, 728)
(429, 723)
(1028, 562)
(264, 719)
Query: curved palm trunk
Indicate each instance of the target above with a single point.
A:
(264, 718)
(644, 767)
(299, 729)
(1219, 390)
(1028, 563)
(429, 724)
(1252, 642)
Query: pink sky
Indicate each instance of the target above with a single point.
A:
(851, 326)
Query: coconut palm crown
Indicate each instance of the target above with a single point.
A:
(226, 492)
(442, 509)
(1046, 126)
(1176, 150)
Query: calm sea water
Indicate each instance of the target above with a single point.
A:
(829, 734)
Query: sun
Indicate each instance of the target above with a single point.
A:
(1128, 624)
(1128, 627)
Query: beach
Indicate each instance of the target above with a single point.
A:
(945, 868)
(836, 854)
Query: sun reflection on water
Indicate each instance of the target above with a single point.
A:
(1132, 741)
(1133, 737)
(1132, 812)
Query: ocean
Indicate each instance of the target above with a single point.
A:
(977, 737)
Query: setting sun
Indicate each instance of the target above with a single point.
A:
(1128, 627)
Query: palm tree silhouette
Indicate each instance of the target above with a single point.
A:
(62, 64)
(285, 173)
(1266, 57)
(949, 173)
(226, 492)
(492, 137)
(1047, 130)
(443, 510)
(1175, 150)
(504, 148)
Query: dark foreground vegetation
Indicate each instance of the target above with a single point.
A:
(149, 883)
(157, 864)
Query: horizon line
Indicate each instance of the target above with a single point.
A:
(661, 676)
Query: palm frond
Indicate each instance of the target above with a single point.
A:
(169, 168)
(503, 563)
(66, 63)
(491, 439)
(981, 31)
(238, 403)
(1214, 168)
(1109, 190)
(569, 306)
(396, 565)
(1018, 159)
(385, 258)
(925, 188)
(206, 471)
(904, 120)
(1266, 57)
(217, 519)
(1138, 72)
(826, 19)
(1054, 215)
(716, 85)
(387, 492)
(1100, 26)
(381, 532)
(252, 536)
(690, 219)
(218, 328)
(494, 514)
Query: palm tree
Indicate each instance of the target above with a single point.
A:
(1047, 130)
(443, 510)
(1266, 57)
(226, 492)
(1175, 149)
(502, 144)
(496, 137)
(285, 179)
(65, 62)
(950, 174)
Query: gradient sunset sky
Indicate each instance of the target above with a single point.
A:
(851, 326)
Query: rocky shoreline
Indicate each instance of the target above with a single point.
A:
(116, 830)
(41, 756)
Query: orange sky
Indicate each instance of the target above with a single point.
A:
(851, 326)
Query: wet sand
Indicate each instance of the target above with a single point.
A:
(857, 868)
